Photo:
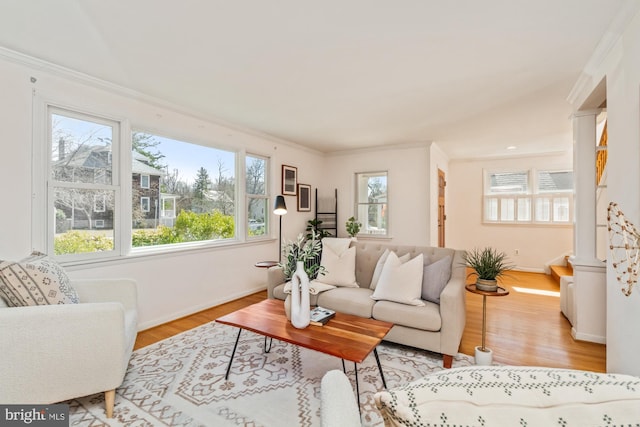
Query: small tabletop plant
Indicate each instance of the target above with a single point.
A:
(488, 266)
(353, 226)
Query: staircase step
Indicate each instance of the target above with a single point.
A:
(560, 270)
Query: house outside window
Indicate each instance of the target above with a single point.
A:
(82, 182)
(371, 205)
(528, 197)
(176, 193)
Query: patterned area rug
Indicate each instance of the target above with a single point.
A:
(180, 382)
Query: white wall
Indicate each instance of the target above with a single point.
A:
(537, 244)
(408, 188)
(621, 68)
(170, 285)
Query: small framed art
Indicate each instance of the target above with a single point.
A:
(289, 180)
(304, 198)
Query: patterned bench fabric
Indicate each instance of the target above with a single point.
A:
(518, 396)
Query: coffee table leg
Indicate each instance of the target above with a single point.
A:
(344, 368)
(375, 353)
(233, 353)
(267, 350)
(355, 369)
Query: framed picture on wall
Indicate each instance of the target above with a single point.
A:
(304, 198)
(289, 180)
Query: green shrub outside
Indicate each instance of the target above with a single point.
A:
(189, 227)
(76, 242)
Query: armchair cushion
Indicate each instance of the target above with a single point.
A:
(35, 280)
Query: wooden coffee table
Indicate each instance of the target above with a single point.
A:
(345, 336)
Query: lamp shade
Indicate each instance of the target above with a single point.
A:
(280, 207)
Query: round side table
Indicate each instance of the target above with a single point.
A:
(484, 356)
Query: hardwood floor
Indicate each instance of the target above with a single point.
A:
(523, 328)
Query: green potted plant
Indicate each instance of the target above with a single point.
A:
(353, 227)
(488, 266)
(303, 249)
(313, 227)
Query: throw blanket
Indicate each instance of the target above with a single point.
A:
(315, 287)
(513, 396)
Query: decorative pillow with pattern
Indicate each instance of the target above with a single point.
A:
(35, 280)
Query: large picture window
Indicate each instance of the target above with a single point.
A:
(170, 193)
(371, 207)
(528, 197)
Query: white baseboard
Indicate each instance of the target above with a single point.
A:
(529, 270)
(587, 337)
(195, 309)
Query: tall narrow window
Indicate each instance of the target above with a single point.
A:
(257, 195)
(371, 203)
(82, 183)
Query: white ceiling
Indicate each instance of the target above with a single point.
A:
(474, 76)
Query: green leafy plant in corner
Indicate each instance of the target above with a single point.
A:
(313, 228)
(353, 226)
(487, 263)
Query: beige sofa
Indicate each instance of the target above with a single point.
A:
(433, 327)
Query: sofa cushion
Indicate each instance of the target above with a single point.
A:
(400, 282)
(35, 280)
(340, 268)
(435, 277)
(380, 265)
(425, 317)
(356, 301)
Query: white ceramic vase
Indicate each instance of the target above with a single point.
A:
(300, 307)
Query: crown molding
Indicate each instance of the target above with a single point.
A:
(38, 64)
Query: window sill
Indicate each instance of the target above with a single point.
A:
(159, 252)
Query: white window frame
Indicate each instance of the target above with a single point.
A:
(142, 181)
(495, 201)
(43, 214)
(146, 208)
(266, 197)
(358, 206)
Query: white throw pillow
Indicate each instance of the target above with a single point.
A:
(35, 280)
(337, 245)
(400, 282)
(340, 270)
(380, 264)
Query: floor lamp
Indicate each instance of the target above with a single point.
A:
(280, 208)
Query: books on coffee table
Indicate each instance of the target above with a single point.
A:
(320, 315)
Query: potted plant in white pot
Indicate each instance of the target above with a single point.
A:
(488, 266)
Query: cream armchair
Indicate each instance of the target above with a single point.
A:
(53, 353)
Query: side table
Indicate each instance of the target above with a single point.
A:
(266, 264)
(484, 356)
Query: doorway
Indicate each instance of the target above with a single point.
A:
(441, 215)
